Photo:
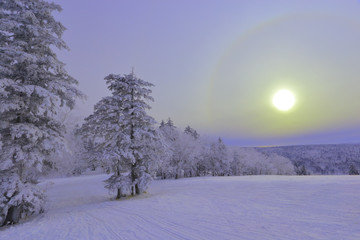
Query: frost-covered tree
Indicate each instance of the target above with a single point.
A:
(168, 131)
(182, 151)
(33, 85)
(280, 165)
(169, 136)
(219, 161)
(236, 165)
(185, 156)
(301, 170)
(203, 164)
(249, 161)
(124, 133)
(192, 132)
(353, 170)
(68, 161)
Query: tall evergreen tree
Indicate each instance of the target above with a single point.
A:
(33, 85)
(124, 133)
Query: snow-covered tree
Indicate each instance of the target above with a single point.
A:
(168, 131)
(280, 165)
(182, 151)
(185, 156)
(69, 161)
(301, 170)
(236, 165)
(169, 135)
(249, 161)
(192, 132)
(219, 161)
(124, 134)
(202, 160)
(353, 170)
(33, 85)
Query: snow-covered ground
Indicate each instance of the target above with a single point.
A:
(248, 207)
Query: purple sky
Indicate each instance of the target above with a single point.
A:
(216, 64)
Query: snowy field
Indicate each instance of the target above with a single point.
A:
(248, 207)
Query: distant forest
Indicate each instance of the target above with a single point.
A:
(320, 159)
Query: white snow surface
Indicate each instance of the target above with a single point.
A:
(245, 207)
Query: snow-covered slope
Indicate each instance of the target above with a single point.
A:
(249, 207)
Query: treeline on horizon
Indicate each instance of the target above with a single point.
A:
(187, 154)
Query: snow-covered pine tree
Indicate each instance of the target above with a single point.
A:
(169, 131)
(192, 132)
(33, 84)
(124, 133)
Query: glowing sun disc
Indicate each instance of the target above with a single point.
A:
(283, 100)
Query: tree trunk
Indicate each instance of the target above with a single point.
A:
(13, 215)
(137, 190)
(133, 178)
(118, 195)
(134, 189)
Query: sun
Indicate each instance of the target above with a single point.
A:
(283, 100)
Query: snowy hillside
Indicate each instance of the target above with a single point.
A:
(246, 207)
